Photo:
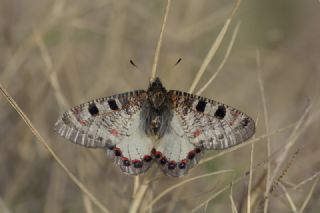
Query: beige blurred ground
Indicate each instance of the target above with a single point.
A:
(89, 45)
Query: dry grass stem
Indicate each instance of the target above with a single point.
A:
(266, 122)
(250, 171)
(52, 153)
(206, 202)
(52, 75)
(139, 195)
(301, 125)
(166, 191)
(221, 65)
(290, 201)
(307, 180)
(306, 201)
(233, 205)
(157, 52)
(214, 48)
(136, 184)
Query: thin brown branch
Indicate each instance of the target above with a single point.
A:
(226, 56)
(214, 48)
(43, 142)
(157, 53)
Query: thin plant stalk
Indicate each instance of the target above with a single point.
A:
(250, 172)
(266, 123)
(43, 142)
(305, 203)
(157, 52)
(166, 191)
(290, 201)
(226, 56)
(214, 48)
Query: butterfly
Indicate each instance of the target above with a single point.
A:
(171, 128)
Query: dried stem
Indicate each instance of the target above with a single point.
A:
(309, 195)
(157, 53)
(233, 38)
(214, 47)
(250, 172)
(299, 128)
(290, 201)
(166, 191)
(266, 122)
(52, 153)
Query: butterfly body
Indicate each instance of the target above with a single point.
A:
(172, 128)
(156, 113)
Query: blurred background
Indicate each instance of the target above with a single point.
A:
(57, 54)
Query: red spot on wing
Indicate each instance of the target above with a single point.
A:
(82, 122)
(235, 114)
(114, 132)
(197, 133)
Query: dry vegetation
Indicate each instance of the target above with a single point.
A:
(55, 54)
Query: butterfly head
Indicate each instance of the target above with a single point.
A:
(157, 93)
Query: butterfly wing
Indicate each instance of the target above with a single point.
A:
(112, 123)
(174, 152)
(210, 124)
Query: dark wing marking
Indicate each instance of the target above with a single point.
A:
(174, 153)
(210, 124)
(100, 122)
(112, 123)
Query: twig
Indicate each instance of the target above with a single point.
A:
(233, 205)
(233, 38)
(157, 53)
(266, 122)
(290, 201)
(250, 172)
(53, 154)
(140, 193)
(299, 128)
(216, 194)
(305, 203)
(136, 183)
(166, 191)
(306, 180)
(53, 79)
(214, 47)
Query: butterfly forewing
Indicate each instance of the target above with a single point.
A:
(210, 124)
(111, 123)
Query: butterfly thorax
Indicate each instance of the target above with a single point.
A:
(156, 111)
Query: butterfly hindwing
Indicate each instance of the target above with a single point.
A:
(174, 152)
(210, 124)
(112, 123)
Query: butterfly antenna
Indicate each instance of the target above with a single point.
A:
(178, 61)
(133, 64)
(175, 64)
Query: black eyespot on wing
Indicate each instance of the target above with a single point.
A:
(221, 112)
(113, 105)
(201, 106)
(93, 109)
